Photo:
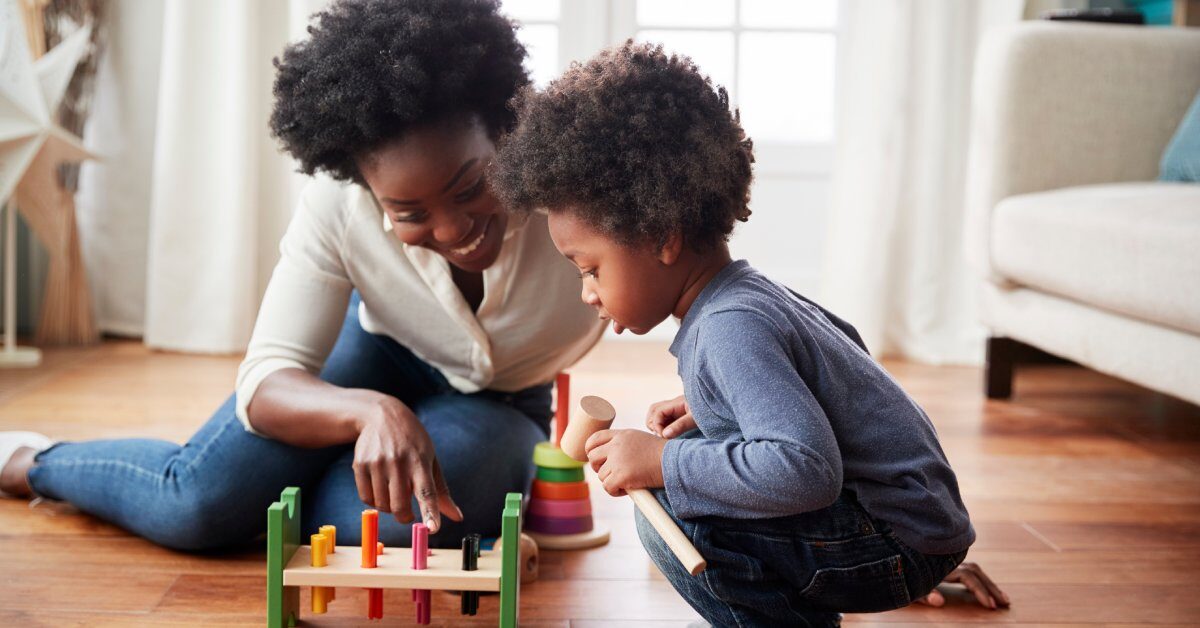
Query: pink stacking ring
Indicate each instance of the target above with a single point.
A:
(561, 508)
(550, 525)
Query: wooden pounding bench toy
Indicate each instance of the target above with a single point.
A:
(324, 566)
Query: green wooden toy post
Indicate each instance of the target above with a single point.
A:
(283, 538)
(510, 561)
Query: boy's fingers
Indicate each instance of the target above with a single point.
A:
(992, 588)
(977, 588)
(597, 439)
(934, 598)
(682, 424)
(597, 457)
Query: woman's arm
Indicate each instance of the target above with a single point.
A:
(394, 458)
(298, 408)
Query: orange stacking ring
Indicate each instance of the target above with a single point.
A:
(559, 490)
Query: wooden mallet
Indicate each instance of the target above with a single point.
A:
(599, 415)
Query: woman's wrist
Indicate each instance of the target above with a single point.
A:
(364, 407)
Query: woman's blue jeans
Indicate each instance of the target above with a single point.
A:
(214, 491)
(801, 570)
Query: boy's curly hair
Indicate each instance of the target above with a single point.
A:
(374, 69)
(636, 143)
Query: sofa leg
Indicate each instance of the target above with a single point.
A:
(1001, 357)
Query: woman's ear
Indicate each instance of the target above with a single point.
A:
(669, 253)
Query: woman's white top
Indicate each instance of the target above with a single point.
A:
(530, 325)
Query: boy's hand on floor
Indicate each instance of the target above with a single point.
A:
(977, 583)
(670, 418)
(626, 459)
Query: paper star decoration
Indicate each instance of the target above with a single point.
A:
(31, 144)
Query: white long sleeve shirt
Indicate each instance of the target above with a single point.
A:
(530, 325)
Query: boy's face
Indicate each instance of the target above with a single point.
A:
(635, 287)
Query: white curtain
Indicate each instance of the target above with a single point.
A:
(894, 263)
(182, 217)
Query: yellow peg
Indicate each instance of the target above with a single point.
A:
(319, 546)
(331, 532)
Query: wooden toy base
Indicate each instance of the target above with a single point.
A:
(583, 540)
(344, 569)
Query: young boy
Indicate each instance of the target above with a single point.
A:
(814, 485)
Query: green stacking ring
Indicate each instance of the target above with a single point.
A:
(547, 474)
(547, 455)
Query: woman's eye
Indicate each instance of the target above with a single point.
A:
(470, 193)
(408, 218)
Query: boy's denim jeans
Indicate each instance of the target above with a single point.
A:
(801, 570)
(214, 491)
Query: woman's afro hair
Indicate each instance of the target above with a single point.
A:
(636, 143)
(374, 69)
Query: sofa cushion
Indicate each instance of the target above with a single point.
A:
(1181, 160)
(1131, 248)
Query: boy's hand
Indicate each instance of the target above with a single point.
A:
(626, 459)
(670, 418)
(977, 583)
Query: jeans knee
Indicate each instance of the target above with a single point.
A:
(196, 523)
(656, 547)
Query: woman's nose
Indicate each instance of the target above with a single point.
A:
(452, 229)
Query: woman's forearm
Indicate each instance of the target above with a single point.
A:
(298, 408)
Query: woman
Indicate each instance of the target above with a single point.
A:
(405, 343)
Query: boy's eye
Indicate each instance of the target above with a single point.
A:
(587, 273)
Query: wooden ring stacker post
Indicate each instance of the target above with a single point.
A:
(599, 415)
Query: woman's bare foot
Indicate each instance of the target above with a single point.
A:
(14, 477)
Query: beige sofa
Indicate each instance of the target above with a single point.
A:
(1080, 252)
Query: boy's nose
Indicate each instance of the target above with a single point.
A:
(590, 297)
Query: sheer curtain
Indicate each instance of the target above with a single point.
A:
(894, 263)
(182, 217)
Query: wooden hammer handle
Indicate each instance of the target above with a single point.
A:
(599, 415)
(682, 547)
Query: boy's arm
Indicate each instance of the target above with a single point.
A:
(789, 460)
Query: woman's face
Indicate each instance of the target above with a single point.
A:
(431, 186)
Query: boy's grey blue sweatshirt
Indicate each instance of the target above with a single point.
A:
(793, 410)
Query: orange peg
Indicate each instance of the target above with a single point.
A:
(370, 538)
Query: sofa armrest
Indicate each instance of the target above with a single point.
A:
(1064, 104)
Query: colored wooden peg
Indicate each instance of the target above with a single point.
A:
(374, 603)
(379, 547)
(370, 537)
(319, 557)
(470, 562)
(563, 402)
(420, 561)
(330, 533)
(370, 559)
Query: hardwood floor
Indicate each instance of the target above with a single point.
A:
(1085, 492)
